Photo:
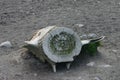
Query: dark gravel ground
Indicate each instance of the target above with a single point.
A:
(20, 18)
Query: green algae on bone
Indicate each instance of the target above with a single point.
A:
(62, 44)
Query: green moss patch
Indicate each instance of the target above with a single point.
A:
(62, 44)
(91, 48)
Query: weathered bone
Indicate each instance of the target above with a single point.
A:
(56, 44)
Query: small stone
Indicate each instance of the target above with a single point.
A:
(79, 78)
(92, 35)
(114, 51)
(27, 12)
(35, 74)
(98, 1)
(6, 44)
(31, 7)
(97, 78)
(105, 66)
(33, 13)
(84, 36)
(90, 64)
(80, 25)
(18, 74)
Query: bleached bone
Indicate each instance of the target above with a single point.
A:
(56, 44)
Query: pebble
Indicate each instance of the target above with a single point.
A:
(115, 51)
(90, 64)
(80, 25)
(88, 36)
(105, 66)
(18, 74)
(27, 12)
(84, 36)
(80, 78)
(6, 44)
(33, 13)
(97, 78)
(92, 35)
(35, 74)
